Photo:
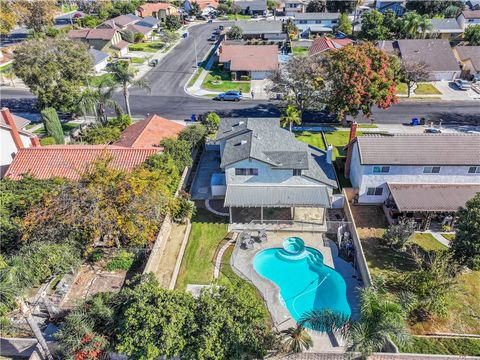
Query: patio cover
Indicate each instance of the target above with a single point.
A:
(431, 197)
(276, 196)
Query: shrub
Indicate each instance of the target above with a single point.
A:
(52, 124)
(185, 210)
(48, 141)
(139, 37)
(212, 122)
(122, 261)
(217, 79)
(397, 235)
(121, 122)
(96, 255)
(195, 135)
(245, 78)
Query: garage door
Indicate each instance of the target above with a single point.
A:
(260, 75)
(443, 75)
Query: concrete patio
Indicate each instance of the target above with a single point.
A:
(242, 264)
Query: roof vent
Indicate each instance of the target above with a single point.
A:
(243, 142)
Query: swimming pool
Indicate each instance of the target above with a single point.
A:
(305, 282)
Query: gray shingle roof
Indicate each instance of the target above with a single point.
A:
(278, 196)
(471, 53)
(445, 25)
(98, 56)
(435, 53)
(260, 27)
(317, 16)
(264, 140)
(431, 197)
(420, 149)
(253, 5)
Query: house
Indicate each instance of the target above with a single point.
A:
(13, 137)
(107, 40)
(264, 167)
(397, 6)
(127, 22)
(468, 17)
(267, 30)
(292, 7)
(435, 53)
(323, 43)
(149, 21)
(445, 29)
(158, 10)
(149, 132)
(252, 7)
(255, 61)
(208, 7)
(100, 59)
(469, 58)
(308, 23)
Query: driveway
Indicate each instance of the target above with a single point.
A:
(259, 89)
(451, 92)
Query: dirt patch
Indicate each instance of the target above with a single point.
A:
(369, 216)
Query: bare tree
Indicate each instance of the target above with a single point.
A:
(412, 72)
(300, 82)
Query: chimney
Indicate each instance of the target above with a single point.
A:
(353, 136)
(7, 116)
(329, 154)
(35, 141)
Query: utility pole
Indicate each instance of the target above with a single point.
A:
(27, 314)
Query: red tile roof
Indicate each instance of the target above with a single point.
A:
(69, 161)
(471, 14)
(250, 57)
(204, 3)
(149, 8)
(149, 132)
(324, 43)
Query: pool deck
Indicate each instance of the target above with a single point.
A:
(242, 264)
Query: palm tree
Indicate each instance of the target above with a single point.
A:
(296, 339)
(411, 23)
(380, 319)
(292, 116)
(124, 76)
(424, 25)
(96, 101)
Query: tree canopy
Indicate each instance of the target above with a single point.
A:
(179, 150)
(433, 7)
(8, 19)
(235, 32)
(35, 15)
(472, 35)
(52, 124)
(55, 70)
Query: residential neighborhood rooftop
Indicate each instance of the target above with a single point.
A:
(445, 25)
(420, 149)
(98, 56)
(324, 43)
(250, 57)
(317, 16)
(471, 14)
(471, 53)
(262, 26)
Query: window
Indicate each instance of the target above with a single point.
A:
(381, 169)
(303, 21)
(246, 172)
(318, 21)
(431, 169)
(297, 172)
(376, 191)
(474, 170)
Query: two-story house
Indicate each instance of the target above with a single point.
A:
(292, 7)
(415, 173)
(322, 23)
(268, 30)
(106, 40)
(252, 7)
(468, 17)
(267, 169)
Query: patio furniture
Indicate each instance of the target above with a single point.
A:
(262, 236)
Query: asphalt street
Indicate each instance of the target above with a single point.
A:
(168, 98)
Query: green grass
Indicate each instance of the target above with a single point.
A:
(207, 233)
(152, 46)
(137, 60)
(122, 261)
(338, 139)
(428, 242)
(367, 126)
(66, 8)
(195, 76)
(238, 17)
(448, 236)
(311, 138)
(445, 346)
(6, 67)
(427, 89)
(97, 80)
(66, 127)
(226, 84)
(402, 89)
(300, 50)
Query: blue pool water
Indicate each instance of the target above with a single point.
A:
(305, 282)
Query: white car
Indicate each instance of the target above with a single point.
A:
(463, 84)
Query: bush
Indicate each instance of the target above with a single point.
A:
(217, 79)
(397, 235)
(139, 37)
(185, 209)
(212, 122)
(245, 78)
(52, 124)
(121, 122)
(96, 256)
(195, 135)
(122, 261)
(48, 141)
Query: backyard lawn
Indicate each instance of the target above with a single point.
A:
(338, 139)
(207, 233)
(300, 50)
(152, 46)
(427, 89)
(428, 242)
(97, 80)
(224, 84)
(445, 346)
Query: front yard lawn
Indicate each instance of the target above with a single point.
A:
(402, 89)
(238, 17)
(97, 80)
(448, 236)
(152, 46)
(427, 89)
(428, 242)
(314, 139)
(137, 60)
(225, 84)
(207, 233)
(300, 50)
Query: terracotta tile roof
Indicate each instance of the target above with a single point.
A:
(324, 43)
(471, 14)
(205, 3)
(250, 57)
(149, 132)
(149, 8)
(69, 161)
(101, 34)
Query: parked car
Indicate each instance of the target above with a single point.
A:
(230, 95)
(432, 131)
(213, 37)
(220, 27)
(463, 84)
(217, 32)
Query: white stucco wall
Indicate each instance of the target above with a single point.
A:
(8, 148)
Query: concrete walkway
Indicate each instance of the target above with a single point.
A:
(218, 260)
(439, 238)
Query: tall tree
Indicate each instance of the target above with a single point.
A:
(432, 7)
(373, 27)
(8, 19)
(412, 71)
(235, 32)
(345, 6)
(472, 35)
(179, 150)
(300, 82)
(344, 24)
(413, 24)
(35, 15)
(52, 124)
(124, 75)
(291, 117)
(360, 77)
(466, 246)
(317, 6)
(55, 70)
(98, 100)
(195, 9)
